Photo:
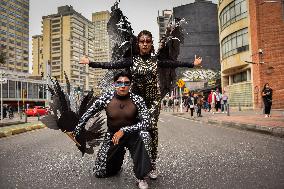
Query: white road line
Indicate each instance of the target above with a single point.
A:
(161, 120)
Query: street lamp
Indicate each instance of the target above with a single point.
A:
(1, 81)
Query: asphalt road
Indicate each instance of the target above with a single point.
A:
(190, 156)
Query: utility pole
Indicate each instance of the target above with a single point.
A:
(1, 78)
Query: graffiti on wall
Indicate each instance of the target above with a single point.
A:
(201, 74)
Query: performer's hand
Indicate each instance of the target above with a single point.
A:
(117, 136)
(84, 60)
(197, 61)
(71, 134)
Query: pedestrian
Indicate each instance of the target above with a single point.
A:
(165, 105)
(218, 100)
(176, 101)
(267, 99)
(10, 112)
(191, 103)
(4, 111)
(225, 102)
(127, 123)
(144, 70)
(199, 105)
(170, 103)
(212, 101)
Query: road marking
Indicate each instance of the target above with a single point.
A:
(161, 120)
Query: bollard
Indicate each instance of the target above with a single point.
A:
(38, 116)
(228, 110)
(21, 115)
(240, 107)
(26, 118)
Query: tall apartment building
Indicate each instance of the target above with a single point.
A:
(101, 45)
(37, 53)
(66, 37)
(163, 20)
(252, 50)
(14, 34)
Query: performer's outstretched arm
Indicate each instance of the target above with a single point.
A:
(143, 116)
(122, 63)
(176, 64)
(97, 106)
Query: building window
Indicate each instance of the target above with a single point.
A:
(55, 39)
(233, 12)
(235, 43)
(240, 77)
(55, 30)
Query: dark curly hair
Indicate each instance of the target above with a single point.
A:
(122, 73)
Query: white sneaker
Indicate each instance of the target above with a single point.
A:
(142, 184)
(153, 174)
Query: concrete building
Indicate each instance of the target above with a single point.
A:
(20, 90)
(14, 34)
(37, 53)
(252, 50)
(101, 45)
(67, 36)
(201, 39)
(201, 33)
(163, 20)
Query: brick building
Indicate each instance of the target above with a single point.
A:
(252, 50)
(267, 45)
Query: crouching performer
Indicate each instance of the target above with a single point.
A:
(127, 124)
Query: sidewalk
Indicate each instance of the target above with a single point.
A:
(16, 125)
(246, 119)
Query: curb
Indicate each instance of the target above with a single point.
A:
(17, 129)
(274, 131)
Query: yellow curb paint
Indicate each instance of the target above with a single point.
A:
(6, 133)
(18, 130)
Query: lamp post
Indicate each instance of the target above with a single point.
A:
(1, 78)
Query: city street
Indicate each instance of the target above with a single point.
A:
(191, 155)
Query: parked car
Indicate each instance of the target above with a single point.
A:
(36, 110)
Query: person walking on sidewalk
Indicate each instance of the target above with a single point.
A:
(267, 99)
(225, 101)
(199, 105)
(212, 101)
(190, 104)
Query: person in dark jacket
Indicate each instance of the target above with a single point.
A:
(267, 99)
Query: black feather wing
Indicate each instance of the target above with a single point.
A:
(170, 50)
(122, 42)
(66, 120)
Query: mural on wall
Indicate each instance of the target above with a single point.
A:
(201, 75)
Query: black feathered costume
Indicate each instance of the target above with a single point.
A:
(153, 76)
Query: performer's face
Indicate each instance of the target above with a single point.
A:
(145, 44)
(122, 86)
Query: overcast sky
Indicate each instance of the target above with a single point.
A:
(142, 14)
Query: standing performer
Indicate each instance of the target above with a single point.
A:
(127, 122)
(153, 76)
